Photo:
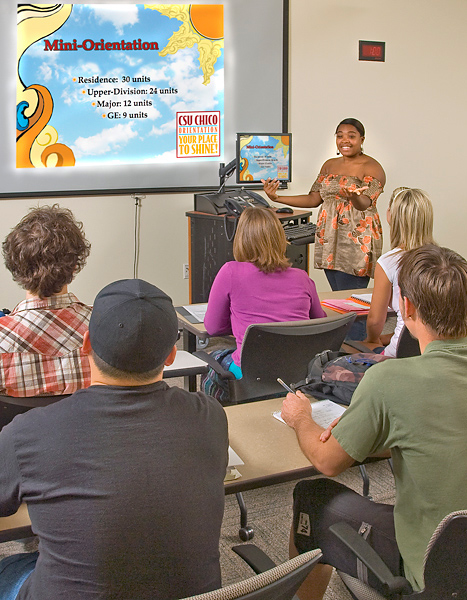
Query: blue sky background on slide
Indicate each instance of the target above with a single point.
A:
(81, 126)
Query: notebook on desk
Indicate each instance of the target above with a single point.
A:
(193, 313)
(346, 305)
(363, 298)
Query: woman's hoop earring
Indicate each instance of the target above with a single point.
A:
(338, 153)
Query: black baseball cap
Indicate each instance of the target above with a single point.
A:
(133, 325)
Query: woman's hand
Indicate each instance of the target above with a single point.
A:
(356, 196)
(270, 186)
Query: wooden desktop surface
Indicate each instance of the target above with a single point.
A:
(268, 447)
(16, 526)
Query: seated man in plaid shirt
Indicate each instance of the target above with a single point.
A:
(41, 339)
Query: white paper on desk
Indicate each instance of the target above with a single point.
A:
(234, 459)
(198, 311)
(323, 411)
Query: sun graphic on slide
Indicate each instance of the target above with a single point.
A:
(202, 24)
(283, 142)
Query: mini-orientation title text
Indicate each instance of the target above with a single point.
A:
(88, 45)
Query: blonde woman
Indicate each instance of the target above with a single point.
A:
(260, 286)
(410, 218)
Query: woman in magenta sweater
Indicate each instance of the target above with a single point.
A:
(260, 286)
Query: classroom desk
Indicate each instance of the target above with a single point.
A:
(191, 331)
(16, 527)
(268, 447)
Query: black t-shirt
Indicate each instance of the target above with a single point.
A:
(124, 487)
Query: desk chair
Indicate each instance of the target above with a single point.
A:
(407, 345)
(445, 571)
(272, 350)
(271, 582)
(10, 406)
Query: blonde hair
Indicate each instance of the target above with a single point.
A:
(411, 218)
(260, 240)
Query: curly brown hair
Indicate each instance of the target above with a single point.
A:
(46, 250)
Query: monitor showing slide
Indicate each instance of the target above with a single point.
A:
(262, 156)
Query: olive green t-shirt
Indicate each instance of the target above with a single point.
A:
(417, 407)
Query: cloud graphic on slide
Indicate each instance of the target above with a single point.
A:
(118, 14)
(104, 142)
(168, 157)
(163, 129)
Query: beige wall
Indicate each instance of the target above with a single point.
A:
(412, 107)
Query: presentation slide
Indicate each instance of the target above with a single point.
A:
(264, 156)
(126, 97)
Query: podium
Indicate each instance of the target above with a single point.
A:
(210, 248)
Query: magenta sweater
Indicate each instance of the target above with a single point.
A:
(241, 295)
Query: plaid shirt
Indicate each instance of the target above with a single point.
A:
(41, 347)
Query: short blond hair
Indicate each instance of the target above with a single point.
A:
(260, 240)
(411, 218)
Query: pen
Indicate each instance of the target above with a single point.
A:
(285, 386)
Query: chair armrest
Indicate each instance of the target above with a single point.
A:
(212, 362)
(254, 557)
(362, 550)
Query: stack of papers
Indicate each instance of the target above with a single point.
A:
(194, 313)
(346, 305)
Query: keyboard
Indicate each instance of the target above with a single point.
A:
(300, 234)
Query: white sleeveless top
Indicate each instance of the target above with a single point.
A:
(389, 263)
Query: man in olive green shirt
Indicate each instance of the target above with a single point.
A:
(414, 407)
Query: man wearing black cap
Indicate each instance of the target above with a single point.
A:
(124, 479)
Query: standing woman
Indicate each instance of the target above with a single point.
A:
(259, 286)
(410, 218)
(349, 234)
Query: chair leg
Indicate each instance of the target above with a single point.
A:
(245, 532)
(366, 481)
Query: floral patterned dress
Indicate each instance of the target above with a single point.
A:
(347, 239)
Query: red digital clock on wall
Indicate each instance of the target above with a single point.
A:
(371, 51)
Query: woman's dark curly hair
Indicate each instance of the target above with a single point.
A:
(46, 250)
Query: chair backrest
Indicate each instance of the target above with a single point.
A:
(407, 345)
(11, 406)
(445, 571)
(272, 350)
(279, 583)
(446, 560)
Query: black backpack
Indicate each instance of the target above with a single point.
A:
(335, 375)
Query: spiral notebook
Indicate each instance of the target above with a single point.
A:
(365, 298)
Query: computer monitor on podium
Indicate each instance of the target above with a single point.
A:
(261, 156)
